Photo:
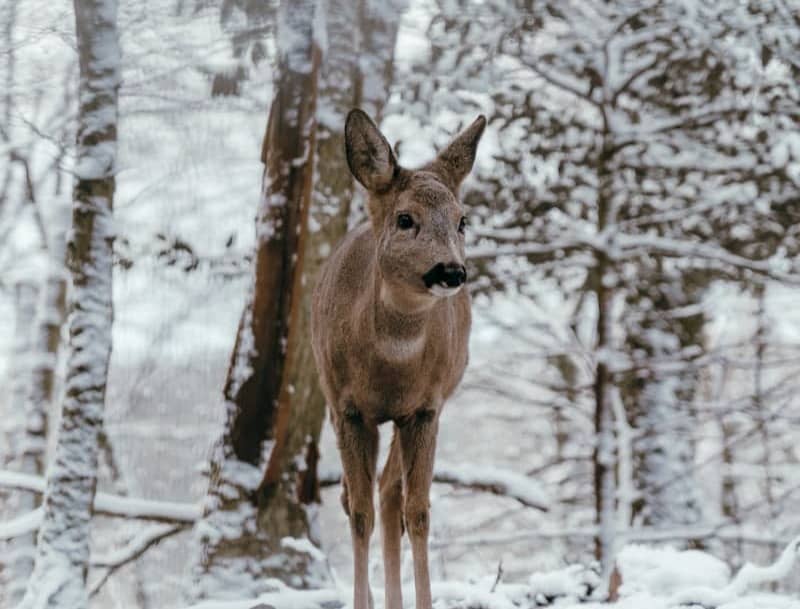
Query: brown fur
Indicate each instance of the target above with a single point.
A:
(388, 348)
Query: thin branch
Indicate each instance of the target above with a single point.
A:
(30, 196)
(725, 531)
(478, 477)
(113, 561)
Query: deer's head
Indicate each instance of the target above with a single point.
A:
(416, 217)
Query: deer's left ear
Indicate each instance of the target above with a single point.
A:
(455, 161)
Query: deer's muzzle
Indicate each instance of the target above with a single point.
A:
(451, 275)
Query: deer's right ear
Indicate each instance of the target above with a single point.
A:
(369, 155)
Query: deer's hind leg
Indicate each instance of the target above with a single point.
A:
(391, 502)
(418, 448)
(358, 447)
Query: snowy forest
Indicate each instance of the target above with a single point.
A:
(173, 177)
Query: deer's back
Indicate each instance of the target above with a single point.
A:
(363, 364)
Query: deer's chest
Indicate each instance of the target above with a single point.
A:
(396, 377)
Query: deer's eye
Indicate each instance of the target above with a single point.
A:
(405, 221)
(462, 224)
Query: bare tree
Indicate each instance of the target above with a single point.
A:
(62, 556)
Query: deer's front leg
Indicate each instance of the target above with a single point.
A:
(358, 447)
(418, 446)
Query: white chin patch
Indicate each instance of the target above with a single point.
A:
(443, 290)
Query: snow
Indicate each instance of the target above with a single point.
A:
(136, 545)
(573, 582)
(285, 599)
(304, 546)
(748, 576)
(26, 523)
(665, 571)
(652, 578)
(295, 23)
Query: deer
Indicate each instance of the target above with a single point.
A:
(390, 325)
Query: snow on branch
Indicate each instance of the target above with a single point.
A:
(486, 478)
(724, 531)
(493, 480)
(137, 546)
(620, 246)
(480, 477)
(634, 244)
(561, 81)
(21, 525)
(104, 503)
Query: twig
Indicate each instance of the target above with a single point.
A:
(499, 576)
(134, 549)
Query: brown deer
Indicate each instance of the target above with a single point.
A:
(390, 324)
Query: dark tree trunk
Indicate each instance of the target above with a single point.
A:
(604, 456)
(237, 549)
(275, 406)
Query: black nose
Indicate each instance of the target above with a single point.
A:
(451, 275)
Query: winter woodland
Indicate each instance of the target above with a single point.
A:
(172, 177)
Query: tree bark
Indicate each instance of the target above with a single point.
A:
(604, 456)
(291, 485)
(62, 556)
(291, 425)
(287, 512)
(237, 549)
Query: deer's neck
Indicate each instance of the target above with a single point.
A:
(400, 321)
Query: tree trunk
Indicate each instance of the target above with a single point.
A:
(379, 22)
(664, 457)
(658, 398)
(287, 513)
(238, 552)
(30, 456)
(604, 457)
(761, 409)
(62, 555)
(289, 488)
(291, 483)
(249, 40)
(16, 557)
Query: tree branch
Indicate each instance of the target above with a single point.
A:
(489, 479)
(137, 546)
(105, 504)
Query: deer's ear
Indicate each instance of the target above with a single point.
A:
(455, 161)
(369, 155)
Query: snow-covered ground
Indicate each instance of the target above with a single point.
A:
(189, 167)
(652, 578)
